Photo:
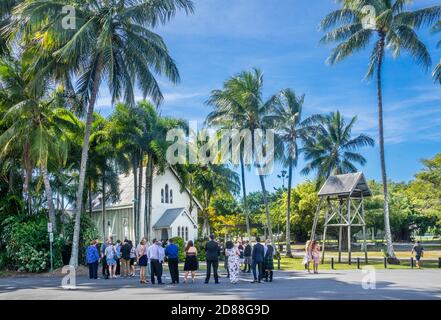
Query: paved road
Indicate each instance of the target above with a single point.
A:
(390, 284)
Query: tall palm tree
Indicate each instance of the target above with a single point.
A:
(210, 179)
(332, 149)
(391, 27)
(111, 42)
(240, 103)
(36, 121)
(437, 71)
(290, 128)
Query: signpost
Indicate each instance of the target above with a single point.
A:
(51, 240)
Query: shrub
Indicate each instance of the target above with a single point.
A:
(25, 243)
(31, 260)
(181, 245)
(200, 246)
(88, 233)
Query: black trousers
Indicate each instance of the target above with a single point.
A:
(174, 270)
(259, 266)
(105, 268)
(215, 265)
(93, 270)
(118, 267)
(155, 270)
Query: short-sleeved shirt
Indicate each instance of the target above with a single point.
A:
(418, 249)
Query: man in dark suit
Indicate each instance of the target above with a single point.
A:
(212, 252)
(258, 257)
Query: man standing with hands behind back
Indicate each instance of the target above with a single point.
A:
(212, 252)
(258, 257)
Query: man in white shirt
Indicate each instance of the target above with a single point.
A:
(156, 254)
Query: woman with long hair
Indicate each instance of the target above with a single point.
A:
(142, 260)
(308, 255)
(110, 254)
(315, 252)
(191, 263)
(232, 253)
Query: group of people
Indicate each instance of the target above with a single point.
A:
(312, 254)
(118, 259)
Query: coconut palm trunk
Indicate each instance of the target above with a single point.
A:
(265, 201)
(387, 231)
(148, 197)
(103, 204)
(27, 176)
(244, 192)
(139, 196)
(288, 212)
(84, 156)
(135, 190)
(49, 196)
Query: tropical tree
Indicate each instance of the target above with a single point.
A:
(111, 42)
(240, 104)
(209, 180)
(332, 150)
(392, 27)
(36, 122)
(290, 128)
(437, 71)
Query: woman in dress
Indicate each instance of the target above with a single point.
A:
(315, 252)
(233, 255)
(142, 261)
(191, 263)
(308, 255)
(132, 258)
(268, 261)
(110, 254)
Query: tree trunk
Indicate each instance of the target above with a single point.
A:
(49, 196)
(84, 156)
(148, 196)
(288, 213)
(139, 195)
(265, 201)
(244, 192)
(135, 201)
(27, 177)
(103, 204)
(387, 231)
(90, 197)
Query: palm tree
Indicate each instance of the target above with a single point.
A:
(287, 119)
(437, 71)
(394, 29)
(209, 180)
(111, 42)
(240, 105)
(38, 123)
(332, 150)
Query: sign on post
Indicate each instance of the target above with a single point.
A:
(51, 240)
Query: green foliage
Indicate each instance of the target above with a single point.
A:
(26, 243)
(200, 247)
(88, 232)
(31, 260)
(181, 245)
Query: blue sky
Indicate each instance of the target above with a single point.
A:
(281, 38)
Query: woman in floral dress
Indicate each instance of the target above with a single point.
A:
(233, 255)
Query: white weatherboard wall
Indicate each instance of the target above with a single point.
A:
(121, 220)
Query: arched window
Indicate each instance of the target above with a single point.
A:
(166, 193)
(171, 196)
(179, 231)
(162, 195)
(186, 233)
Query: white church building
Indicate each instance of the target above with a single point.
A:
(171, 214)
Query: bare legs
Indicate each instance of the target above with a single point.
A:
(193, 275)
(142, 278)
